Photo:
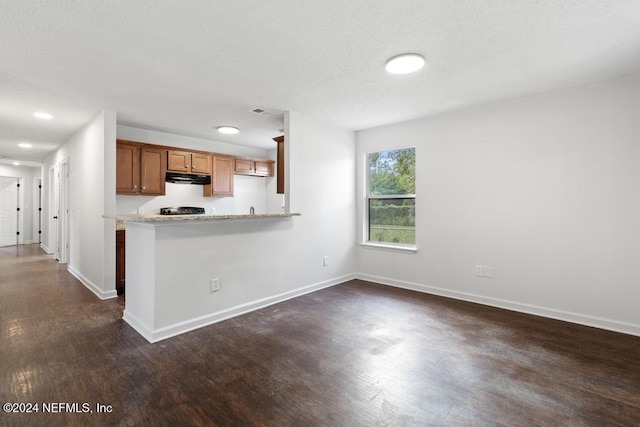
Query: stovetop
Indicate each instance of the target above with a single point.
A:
(182, 210)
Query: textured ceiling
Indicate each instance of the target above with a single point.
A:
(186, 67)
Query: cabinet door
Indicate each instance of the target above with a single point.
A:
(127, 169)
(153, 171)
(222, 177)
(243, 166)
(264, 168)
(200, 163)
(179, 161)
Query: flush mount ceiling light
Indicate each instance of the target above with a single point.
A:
(25, 145)
(42, 115)
(229, 130)
(405, 63)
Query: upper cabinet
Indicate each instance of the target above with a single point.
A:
(188, 161)
(127, 168)
(140, 169)
(152, 171)
(253, 167)
(221, 177)
(280, 164)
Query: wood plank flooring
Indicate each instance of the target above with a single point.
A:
(356, 354)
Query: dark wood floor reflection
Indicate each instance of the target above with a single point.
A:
(356, 354)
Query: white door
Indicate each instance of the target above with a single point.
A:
(63, 212)
(8, 211)
(54, 213)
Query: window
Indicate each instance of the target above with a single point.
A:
(391, 199)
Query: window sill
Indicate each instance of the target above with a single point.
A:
(390, 247)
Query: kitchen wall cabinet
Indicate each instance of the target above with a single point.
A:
(279, 164)
(127, 168)
(188, 161)
(221, 177)
(253, 167)
(140, 169)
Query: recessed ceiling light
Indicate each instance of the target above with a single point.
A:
(405, 63)
(25, 145)
(229, 130)
(42, 115)
(16, 163)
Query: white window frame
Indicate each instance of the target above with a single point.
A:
(399, 247)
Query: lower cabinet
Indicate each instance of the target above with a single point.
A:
(120, 259)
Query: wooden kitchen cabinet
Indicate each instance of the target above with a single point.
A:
(221, 177)
(152, 171)
(127, 169)
(253, 167)
(188, 161)
(140, 169)
(120, 261)
(279, 164)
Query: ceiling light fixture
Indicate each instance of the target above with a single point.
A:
(42, 115)
(16, 163)
(229, 130)
(25, 145)
(405, 63)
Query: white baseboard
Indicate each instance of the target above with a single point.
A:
(92, 286)
(581, 319)
(154, 335)
(46, 249)
(138, 325)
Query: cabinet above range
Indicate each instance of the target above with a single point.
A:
(188, 161)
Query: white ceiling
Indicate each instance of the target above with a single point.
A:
(187, 67)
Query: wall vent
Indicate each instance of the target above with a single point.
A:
(262, 112)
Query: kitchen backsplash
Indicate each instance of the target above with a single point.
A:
(248, 191)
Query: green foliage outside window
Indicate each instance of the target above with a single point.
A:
(391, 196)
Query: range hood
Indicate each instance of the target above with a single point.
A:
(188, 178)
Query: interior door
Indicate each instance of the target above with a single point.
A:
(63, 212)
(8, 211)
(54, 202)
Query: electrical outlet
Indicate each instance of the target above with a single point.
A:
(482, 271)
(215, 285)
(325, 261)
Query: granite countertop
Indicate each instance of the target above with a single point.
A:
(124, 218)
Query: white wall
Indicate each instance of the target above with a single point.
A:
(248, 191)
(29, 194)
(544, 189)
(91, 156)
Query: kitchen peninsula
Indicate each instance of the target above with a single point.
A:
(188, 271)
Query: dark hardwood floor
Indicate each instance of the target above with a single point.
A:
(356, 354)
